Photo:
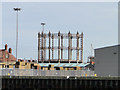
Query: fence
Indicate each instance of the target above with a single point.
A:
(33, 72)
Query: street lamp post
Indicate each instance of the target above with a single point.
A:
(17, 10)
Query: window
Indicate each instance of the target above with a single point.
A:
(7, 56)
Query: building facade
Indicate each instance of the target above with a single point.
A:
(6, 55)
(107, 61)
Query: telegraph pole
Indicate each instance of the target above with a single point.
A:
(16, 10)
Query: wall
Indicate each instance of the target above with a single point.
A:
(106, 61)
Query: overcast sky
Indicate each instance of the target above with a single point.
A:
(98, 22)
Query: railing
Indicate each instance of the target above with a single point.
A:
(34, 72)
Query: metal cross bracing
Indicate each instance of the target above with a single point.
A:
(47, 47)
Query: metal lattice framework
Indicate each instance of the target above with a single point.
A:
(48, 39)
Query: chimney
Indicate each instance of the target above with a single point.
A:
(10, 50)
(6, 46)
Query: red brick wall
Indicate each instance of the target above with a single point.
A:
(5, 56)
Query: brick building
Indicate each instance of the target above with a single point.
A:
(6, 55)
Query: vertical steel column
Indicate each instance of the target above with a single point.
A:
(44, 46)
(69, 36)
(62, 47)
(59, 47)
(82, 47)
(77, 36)
(49, 44)
(38, 46)
(71, 47)
(52, 46)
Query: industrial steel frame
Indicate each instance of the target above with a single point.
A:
(42, 48)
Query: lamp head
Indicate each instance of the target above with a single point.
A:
(17, 9)
(42, 23)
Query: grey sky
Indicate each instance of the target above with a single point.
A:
(98, 22)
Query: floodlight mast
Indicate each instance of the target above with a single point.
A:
(43, 24)
(17, 10)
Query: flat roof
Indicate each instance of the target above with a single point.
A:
(107, 47)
